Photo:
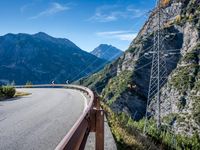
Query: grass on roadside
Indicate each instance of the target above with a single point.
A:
(128, 134)
(20, 94)
(7, 92)
(126, 138)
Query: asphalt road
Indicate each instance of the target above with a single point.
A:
(39, 121)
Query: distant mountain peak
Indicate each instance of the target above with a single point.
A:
(107, 52)
(41, 58)
(42, 35)
(105, 45)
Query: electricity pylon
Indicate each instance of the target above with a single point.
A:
(158, 75)
(159, 53)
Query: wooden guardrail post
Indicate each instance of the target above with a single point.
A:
(99, 143)
(99, 125)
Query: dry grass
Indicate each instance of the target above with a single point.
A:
(125, 139)
(20, 94)
(17, 94)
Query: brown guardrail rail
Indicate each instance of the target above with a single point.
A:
(92, 120)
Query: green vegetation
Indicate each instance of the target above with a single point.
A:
(133, 49)
(128, 134)
(196, 109)
(190, 13)
(28, 84)
(191, 57)
(116, 86)
(10, 92)
(7, 92)
(197, 83)
(100, 79)
(184, 77)
(181, 103)
(169, 118)
(125, 137)
(1, 93)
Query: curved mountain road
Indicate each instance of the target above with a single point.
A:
(39, 121)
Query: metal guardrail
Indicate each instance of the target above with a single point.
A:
(92, 120)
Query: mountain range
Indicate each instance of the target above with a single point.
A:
(40, 58)
(107, 52)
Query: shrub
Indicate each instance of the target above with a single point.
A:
(196, 109)
(127, 133)
(178, 19)
(116, 86)
(8, 91)
(191, 17)
(1, 93)
(28, 84)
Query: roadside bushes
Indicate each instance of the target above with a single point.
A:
(7, 91)
(1, 94)
(129, 134)
(28, 84)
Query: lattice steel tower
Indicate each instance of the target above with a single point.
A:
(158, 69)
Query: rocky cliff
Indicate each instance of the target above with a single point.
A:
(123, 84)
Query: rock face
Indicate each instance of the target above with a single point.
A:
(124, 83)
(40, 58)
(184, 87)
(107, 52)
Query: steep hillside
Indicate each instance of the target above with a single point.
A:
(123, 84)
(107, 52)
(40, 58)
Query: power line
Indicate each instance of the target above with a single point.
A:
(159, 76)
(159, 73)
(93, 62)
(82, 71)
(134, 70)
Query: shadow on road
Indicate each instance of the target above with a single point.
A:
(13, 99)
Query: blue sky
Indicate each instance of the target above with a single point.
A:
(87, 23)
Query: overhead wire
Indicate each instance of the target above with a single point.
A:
(80, 72)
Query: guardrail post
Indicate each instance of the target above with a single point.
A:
(96, 101)
(99, 143)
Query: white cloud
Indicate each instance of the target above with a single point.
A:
(53, 9)
(120, 35)
(25, 7)
(112, 33)
(127, 37)
(108, 13)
